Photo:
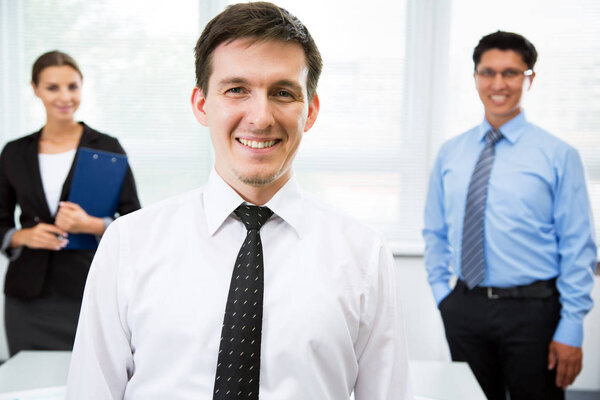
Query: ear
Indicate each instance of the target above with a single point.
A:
(530, 80)
(313, 112)
(198, 106)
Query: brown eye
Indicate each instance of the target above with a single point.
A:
(510, 73)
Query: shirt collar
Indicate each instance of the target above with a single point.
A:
(511, 130)
(220, 200)
(288, 204)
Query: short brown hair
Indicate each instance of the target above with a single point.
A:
(51, 59)
(260, 21)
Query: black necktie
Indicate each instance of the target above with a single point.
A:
(473, 255)
(238, 366)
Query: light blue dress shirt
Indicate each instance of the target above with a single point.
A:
(538, 221)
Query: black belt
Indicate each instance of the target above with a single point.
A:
(535, 290)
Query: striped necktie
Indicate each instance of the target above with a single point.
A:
(473, 254)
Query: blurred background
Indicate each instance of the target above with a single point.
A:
(397, 82)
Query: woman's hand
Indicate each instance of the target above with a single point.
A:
(72, 218)
(41, 236)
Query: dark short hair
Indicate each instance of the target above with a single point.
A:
(52, 59)
(259, 21)
(506, 41)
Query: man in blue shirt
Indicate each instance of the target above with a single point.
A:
(508, 213)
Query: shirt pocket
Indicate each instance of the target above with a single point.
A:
(522, 188)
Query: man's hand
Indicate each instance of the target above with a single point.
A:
(41, 236)
(567, 360)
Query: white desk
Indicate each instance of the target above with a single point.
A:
(431, 379)
(34, 370)
(35, 375)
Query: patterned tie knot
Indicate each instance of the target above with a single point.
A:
(253, 217)
(493, 136)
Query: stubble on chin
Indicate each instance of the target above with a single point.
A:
(257, 180)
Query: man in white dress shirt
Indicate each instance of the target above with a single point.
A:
(154, 301)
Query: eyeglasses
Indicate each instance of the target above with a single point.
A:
(508, 74)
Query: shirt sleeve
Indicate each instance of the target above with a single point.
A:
(381, 348)
(102, 360)
(435, 233)
(576, 249)
(11, 253)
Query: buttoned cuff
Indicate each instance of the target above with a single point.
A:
(569, 332)
(9, 252)
(440, 291)
(107, 221)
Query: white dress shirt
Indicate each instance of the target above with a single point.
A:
(54, 169)
(155, 298)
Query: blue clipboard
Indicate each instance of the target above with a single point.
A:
(96, 187)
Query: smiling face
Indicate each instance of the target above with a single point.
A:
(257, 110)
(59, 88)
(501, 97)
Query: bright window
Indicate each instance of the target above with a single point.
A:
(138, 73)
(357, 156)
(397, 81)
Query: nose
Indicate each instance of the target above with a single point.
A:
(65, 94)
(260, 112)
(498, 81)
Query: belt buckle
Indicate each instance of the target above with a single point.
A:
(490, 293)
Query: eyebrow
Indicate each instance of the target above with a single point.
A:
(58, 84)
(291, 84)
(230, 81)
(282, 82)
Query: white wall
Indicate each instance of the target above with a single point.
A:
(425, 332)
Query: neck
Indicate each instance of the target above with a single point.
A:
(256, 194)
(497, 121)
(54, 128)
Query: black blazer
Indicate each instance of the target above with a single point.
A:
(21, 184)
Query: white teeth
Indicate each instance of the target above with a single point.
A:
(257, 145)
(498, 97)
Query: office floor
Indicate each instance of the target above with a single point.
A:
(581, 395)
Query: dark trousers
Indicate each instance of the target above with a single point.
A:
(505, 342)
